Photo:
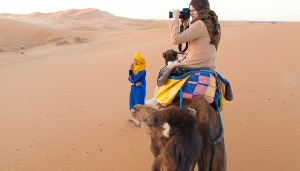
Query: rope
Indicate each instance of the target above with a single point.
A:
(217, 140)
(181, 98)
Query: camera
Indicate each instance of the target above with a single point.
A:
(184, 14)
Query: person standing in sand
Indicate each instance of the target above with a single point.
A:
(203, 34)
(137, 78)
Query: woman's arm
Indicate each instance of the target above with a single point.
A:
(194, 31)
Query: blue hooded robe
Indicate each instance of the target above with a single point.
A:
(137, 93)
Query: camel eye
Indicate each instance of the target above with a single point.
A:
(148, 123)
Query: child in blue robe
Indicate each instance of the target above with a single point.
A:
(137, 78)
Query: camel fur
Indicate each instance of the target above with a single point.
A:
(213, 156)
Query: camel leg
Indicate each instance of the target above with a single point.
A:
(219, 157)
(206, 156)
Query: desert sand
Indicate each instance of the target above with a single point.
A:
(64, 91)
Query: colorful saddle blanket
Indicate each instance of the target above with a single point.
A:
(192, 84)
(200, 84)
(203, 82)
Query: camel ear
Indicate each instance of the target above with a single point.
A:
(192, 111)
(166, 130)
(164, 55)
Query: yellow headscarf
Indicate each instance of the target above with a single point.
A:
(141, 63)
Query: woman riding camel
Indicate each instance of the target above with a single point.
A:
(203, 35)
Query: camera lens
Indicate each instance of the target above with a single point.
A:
(170, 14)
(184, 14)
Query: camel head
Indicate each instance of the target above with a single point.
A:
(139, 113)
(171, 120)
(175, 140)
(146, 116)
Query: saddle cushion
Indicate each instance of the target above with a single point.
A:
(195, 84)
(200, 84)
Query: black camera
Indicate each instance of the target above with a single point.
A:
(184, 14)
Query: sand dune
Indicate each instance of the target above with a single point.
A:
(66, 107)
(71, 14)
(85, 14)
(35, 29)
(17, 35)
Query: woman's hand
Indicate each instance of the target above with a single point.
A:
(176, 14)
(173, 64)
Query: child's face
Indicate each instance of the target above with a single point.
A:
(135, 62)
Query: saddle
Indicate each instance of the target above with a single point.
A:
(200, 82)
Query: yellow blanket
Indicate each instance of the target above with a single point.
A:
(169, 90)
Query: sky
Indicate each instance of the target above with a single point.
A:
(232, 10)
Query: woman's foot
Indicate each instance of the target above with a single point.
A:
(151, 102)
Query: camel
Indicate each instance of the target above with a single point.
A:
(213, 154)
(176, 139)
